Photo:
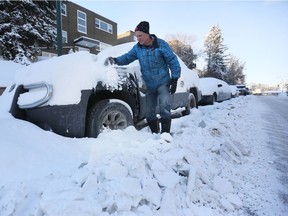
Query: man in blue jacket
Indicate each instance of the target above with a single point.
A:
(156, 58)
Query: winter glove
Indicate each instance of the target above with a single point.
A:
(110, 60)
(173, 85)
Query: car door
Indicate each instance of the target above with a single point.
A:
(221, 94)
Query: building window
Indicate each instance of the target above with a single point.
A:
(63, 9)
(81, 22)
(104, 26)
(64, 37)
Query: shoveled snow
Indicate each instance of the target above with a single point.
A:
(216, 163)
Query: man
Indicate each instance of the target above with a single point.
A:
(155, 57)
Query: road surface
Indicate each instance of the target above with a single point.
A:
(277, 130)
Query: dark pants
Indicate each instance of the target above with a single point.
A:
(162, 95)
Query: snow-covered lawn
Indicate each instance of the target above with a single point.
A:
(216, 164)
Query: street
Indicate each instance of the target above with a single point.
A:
(276, 128)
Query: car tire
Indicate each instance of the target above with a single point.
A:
(191, 104)
(106, 114)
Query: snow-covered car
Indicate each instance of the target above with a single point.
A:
(75, 95)
(234, 91)
(214, 90)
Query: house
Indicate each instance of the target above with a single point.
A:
(83, 29)
(128, 36)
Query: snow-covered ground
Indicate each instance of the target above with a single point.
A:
(217, 163)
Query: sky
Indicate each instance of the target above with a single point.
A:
(255, 32)
(217, 161)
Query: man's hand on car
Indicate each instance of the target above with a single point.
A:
(109, 60)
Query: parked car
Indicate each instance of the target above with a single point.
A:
(243, 90)
(234, 91)
(75, 95)
(214, 90)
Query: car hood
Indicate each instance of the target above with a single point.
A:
(68, 75)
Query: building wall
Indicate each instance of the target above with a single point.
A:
(69, 24)
(128, 36)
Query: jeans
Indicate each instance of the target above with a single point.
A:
(152, 96)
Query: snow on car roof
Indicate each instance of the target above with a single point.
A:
(208, 85)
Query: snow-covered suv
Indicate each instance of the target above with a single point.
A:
(75, 95)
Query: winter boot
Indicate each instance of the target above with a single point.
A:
(165, 125)
(154, 126)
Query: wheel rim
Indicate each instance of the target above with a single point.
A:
(114, 120)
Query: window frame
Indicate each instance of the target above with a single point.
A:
(84, 20)
(63, 9)
(98, 23)
(64, 36)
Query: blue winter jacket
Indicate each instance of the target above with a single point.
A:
(155, 62)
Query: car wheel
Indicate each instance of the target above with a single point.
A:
(107, 115)
(191, 104)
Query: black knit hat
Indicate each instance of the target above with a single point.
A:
(143, 26)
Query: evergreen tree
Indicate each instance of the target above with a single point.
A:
(181, 46)
(184, 52)
(25, 26)
(235, 71)
(215, 52)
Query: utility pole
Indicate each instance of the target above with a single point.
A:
(59, 27)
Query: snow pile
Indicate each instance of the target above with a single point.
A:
(215, 163)
(128, 172)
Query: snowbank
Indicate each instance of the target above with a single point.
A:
(216, 163)
(205, 169)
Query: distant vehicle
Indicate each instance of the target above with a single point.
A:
(234, 91)
(214, 90)
(243, 90)
(75, 95)
(257, 92)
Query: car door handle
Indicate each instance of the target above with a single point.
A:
(42, 100)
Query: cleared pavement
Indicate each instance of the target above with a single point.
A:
(276, 127)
